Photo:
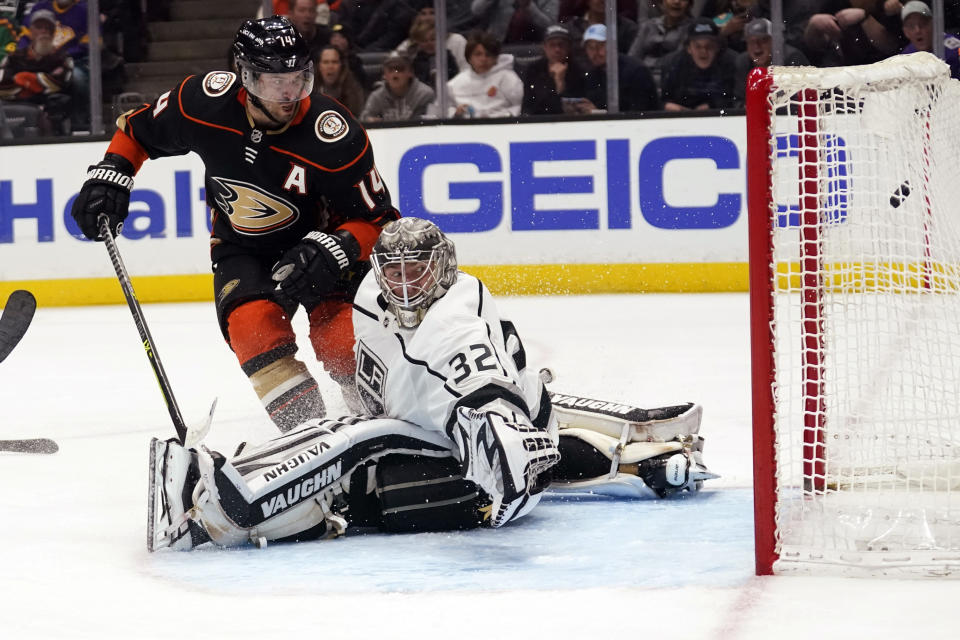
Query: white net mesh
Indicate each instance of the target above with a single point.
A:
(866, 246)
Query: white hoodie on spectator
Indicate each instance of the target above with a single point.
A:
(496, 93)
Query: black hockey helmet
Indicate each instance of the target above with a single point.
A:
(273, 46)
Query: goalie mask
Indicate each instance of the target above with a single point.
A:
(273, 60)
(414, 264)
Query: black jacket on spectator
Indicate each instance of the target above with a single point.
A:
(425, 72)
(387, 26)
(855, 47)
(540, 95)
(638, 92)
(688, 85)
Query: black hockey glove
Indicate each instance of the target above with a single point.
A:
(312, 267)
(106, 191)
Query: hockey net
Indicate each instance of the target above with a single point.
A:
(854, 206)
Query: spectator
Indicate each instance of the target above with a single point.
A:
(401, 97)
(596, 14)
(380, 25)
(554, 77)
(796, 16)
(758, 35)
(40, 73)
(8, 38)
(303, 15)
(285, 8)
(700, 76)
(844, 34)
(342, 38)
(663, 34)
(516, 20)
(460, 18)
(70, 36)
(731, 20)
(423, 37)
(638, 92)
(629, 9)
(424, 27)
(489, 88)
(918, 28)
(337, 81)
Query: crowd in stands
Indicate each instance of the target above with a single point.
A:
(45, 61)
(543, 57)
(502, 57)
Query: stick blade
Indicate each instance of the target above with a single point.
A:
(30, 445)
(16, 318)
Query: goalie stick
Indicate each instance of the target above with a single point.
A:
(16, 319)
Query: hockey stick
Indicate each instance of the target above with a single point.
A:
(16, 319)
(141, 323)
(30, 445)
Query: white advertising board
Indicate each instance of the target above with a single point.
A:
(610, 192)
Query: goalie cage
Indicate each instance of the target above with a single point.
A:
(854, 240)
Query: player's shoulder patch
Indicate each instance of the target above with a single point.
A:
(951, 42)
(331, 126)
(217, 83)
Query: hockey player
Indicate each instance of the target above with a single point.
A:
(431, 349)
(462, 433)
(295, 200)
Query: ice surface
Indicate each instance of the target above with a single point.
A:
(73, 561)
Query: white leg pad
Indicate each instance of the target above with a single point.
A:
(619, 420)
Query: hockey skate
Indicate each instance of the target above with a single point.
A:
(668, 474)
(173, 476)
(632, 470)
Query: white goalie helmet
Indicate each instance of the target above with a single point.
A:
(415, 265)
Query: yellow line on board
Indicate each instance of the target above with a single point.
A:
(551, 279)
(88, 291)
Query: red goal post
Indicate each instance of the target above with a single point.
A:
(854, 235)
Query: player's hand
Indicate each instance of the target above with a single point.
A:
(106, 191)
(312, 267)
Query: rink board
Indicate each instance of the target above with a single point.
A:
(562, 207)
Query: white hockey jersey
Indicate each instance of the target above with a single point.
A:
(463, 354)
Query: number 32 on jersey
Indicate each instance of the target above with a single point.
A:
(479, 358)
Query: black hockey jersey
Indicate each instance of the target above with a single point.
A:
(266, 189)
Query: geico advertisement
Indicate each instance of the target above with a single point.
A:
(606, 191)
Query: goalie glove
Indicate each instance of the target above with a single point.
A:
(311, 268)
(106, 191)
(503, 455)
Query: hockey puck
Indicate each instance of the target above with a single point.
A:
(901, 194)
